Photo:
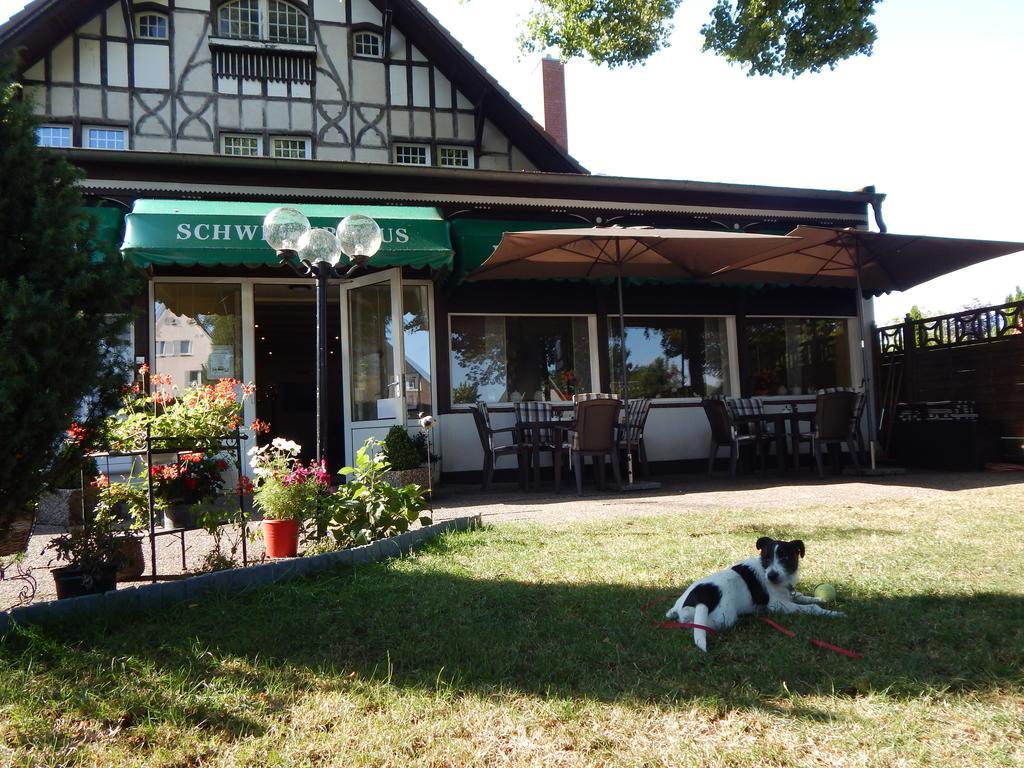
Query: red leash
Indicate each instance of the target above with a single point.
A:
(673, 624)
(774, 625)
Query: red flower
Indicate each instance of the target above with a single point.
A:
(101, 482)
(244, 485)
(76, 433)
(260, 427)
(194, 458)
(143, 369)
(248, 389)
(221, 465)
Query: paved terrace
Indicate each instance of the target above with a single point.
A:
(507, 504)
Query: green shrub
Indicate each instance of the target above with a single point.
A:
(366, 508)
(402, 451)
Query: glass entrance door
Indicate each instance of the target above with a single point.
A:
(373, 357)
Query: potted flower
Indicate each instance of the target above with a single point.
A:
(409, 456)
(184, 484)
(286, 492)
(95, 550)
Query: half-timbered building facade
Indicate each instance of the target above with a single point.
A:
(193, 118)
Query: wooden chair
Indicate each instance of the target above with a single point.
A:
(543, 439)
(492, 451)
(837, 415)
(633, 439)
(595, 436)
(724, 432)
(748, 413)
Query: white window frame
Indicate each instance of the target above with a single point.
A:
(442, 148)
(55, 127)
(595, 370)
(224, 140)
(362, 36)
(263, 23)
(87, 137)
(730, 339)
(185, 347)
(305, 142)
(152, 14)
(411, 145)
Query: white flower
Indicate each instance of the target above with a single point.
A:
(279, 443)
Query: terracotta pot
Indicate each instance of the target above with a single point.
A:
(72, 582)
(281, 537)
(132, 561)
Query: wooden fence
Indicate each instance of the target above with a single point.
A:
(975, 355)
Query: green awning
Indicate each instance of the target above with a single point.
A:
(476, 239)
(207, 233)
(109, 222)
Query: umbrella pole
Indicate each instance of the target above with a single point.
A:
(868, 393)
(625, 383)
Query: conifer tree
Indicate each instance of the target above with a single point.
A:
(64, 299)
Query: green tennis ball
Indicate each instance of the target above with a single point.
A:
(825, 592)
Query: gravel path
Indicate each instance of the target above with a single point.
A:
(508, 504)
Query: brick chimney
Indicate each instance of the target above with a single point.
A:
(553, 72)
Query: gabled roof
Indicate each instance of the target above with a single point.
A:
(42, 24)
(438, 45)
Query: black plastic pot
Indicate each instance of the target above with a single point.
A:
(71, 581)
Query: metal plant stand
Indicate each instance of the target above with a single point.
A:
(158, 445)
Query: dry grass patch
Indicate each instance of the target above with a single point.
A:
(524, 646)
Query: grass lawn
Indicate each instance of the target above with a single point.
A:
(524, 645)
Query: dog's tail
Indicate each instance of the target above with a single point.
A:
(700, 636)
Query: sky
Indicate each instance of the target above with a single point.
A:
(933, 119)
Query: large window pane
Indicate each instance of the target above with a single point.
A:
(372, 358)
(198, 332)
(797, 356)
(671, 356)
(416, 336)
(507, 359)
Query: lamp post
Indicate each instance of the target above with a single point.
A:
(318, 253)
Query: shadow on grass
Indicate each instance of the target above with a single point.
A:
(454, 496)
(426, 630)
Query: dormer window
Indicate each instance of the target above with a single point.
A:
(369, 44)
(151, 26)
(272, 20)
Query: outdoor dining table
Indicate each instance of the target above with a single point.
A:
(786, 421)
(532, 432)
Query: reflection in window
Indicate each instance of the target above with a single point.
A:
(794, 356)
(509, 359)
(198, 331)
(240, 19)
(53, 136)
(416, 338)
(371, 339)
(671, 356)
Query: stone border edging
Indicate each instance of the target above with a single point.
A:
(227, 582)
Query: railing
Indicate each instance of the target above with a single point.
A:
(958, 329)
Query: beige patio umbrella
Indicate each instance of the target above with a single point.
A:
(618, 252)
(864, 261)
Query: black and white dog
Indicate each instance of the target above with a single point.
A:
(758, 584)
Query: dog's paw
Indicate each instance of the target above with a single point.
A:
(836, 614)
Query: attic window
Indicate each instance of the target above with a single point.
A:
(151, 26)
(271, 20)
(369, 44)
(411, 154)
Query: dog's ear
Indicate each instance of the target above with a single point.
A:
(799, 545)
(763, 542)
